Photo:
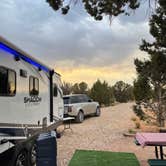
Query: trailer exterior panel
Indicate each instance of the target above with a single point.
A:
(30, 99)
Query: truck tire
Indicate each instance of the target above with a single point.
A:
(80, 117)
(22, 158)
(98, 112)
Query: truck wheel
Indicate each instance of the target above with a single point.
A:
(98, 112)
(22, 159)
(32, 155)
(80, 117)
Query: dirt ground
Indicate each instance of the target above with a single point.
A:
(103, 133)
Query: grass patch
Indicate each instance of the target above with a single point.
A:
(131, 131)
(101, 158)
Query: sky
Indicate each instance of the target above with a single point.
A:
(75, 45)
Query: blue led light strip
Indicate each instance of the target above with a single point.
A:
(25, 58)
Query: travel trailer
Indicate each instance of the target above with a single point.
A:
(30, 103)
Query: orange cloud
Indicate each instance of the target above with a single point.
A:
(124, 71)
(90, 75)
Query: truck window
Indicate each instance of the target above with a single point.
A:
(7, 82)
(86, 98)
(77, 99)
(66, 100)
(33, 86)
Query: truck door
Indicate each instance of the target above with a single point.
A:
(90, 105)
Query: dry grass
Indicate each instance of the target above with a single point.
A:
(134, 118)
(137, 124)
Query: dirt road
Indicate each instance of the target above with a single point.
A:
(103, 133)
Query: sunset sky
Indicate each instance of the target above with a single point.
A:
(75, 45)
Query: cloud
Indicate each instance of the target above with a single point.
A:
(74, 41)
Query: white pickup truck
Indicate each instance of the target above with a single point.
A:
(79, 106)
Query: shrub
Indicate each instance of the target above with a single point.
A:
(134, 119)
(131, 131)
(137, 125)
(138, 111)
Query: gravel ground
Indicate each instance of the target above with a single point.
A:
(103, 133)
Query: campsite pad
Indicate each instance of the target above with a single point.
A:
(102, 158)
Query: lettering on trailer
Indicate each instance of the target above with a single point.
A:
(32, 99)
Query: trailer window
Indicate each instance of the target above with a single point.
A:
(33, 86)
(7, 82)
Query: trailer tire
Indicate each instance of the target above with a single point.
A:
(80, 117)
(22, 158)
(32, 155)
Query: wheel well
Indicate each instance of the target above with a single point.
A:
(81, 111)
(25, 150)
(19, 148)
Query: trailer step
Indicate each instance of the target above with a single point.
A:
(11, 138)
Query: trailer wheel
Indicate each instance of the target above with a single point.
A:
(22, 159)
(32, 156)
(80, 117)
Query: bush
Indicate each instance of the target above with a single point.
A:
(134, 119)
(137, 125)
(138, 111)
(131, 131)
(102, 93)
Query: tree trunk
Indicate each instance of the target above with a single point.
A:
(160, 117)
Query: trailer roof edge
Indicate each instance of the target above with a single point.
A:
(23, 53)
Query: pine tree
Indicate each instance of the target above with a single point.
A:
(123, 92)
(154, 69)
(142, 90)
(67, 88)
(80, 88)
(101, 92)
(98, 8)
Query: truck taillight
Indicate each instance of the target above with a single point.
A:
(70, 109)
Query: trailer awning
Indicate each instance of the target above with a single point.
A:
(18, 53)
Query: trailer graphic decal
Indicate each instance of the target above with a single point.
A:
(32, 99)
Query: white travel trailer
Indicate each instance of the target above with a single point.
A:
(30, 102)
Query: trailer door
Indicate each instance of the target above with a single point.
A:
(57, 101)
